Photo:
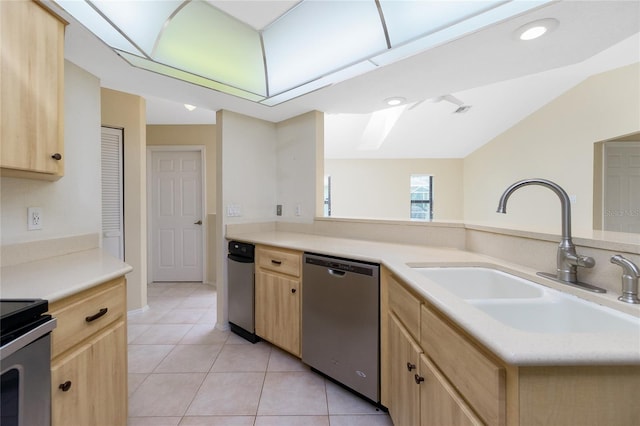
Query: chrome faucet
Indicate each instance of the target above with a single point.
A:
(630, 277)
(567, 258)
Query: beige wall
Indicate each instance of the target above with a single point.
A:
(204, 135)
(556, 143)
(380, 188)
(127, 111)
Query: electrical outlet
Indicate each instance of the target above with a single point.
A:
(234, 210)
(34, 218)
(278, 209)
(298, 210)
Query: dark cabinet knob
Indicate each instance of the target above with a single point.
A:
(418, 379)
(293, 290)
(410, 366)
(57, 156)
(65, 386)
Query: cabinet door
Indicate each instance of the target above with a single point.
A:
(109, 376)
(440, 404)
(278, 310)
(32, 87)
(89, 386)
(71, 397)
(404, 391)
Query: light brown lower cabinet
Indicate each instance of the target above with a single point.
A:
(419, 394)
(278, 297)
(458, 382)
(89, 358)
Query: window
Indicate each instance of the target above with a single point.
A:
(327, 196)
(421, 197)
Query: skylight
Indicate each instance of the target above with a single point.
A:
(314, 44)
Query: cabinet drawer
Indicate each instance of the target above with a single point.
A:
(406, 306)
(81, 315)
(479, 379)
(279, 260)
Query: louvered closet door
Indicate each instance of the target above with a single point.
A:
(112, 192)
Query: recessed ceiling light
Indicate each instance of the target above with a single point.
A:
(395, 101)
(535, 29)
(189, 107)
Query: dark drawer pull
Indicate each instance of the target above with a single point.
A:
(57, 156)
(418, 379)
(65, 386)
(94, 317)
(410, 366)
(276, 262)
(293, 290)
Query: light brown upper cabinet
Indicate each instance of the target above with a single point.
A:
(32, 87)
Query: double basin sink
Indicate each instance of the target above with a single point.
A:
(526, 305)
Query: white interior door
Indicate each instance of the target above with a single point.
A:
(622, 187)
(112, 192)
(176, 215)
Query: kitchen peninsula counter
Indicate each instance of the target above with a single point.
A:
(514, 346)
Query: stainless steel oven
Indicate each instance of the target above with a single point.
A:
(25, 363)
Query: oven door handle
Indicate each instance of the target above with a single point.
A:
(27, 338)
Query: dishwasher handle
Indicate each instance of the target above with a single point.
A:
(240, 259)
(336, 272)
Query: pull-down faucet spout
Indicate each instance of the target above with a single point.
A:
(567, 258)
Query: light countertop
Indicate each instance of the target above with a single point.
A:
(512, 345)
(57, 277)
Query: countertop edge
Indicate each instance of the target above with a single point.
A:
(57, 277)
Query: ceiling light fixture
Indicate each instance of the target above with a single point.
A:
(186, 39)
(536, 29)
(395, 101)
(189, 107)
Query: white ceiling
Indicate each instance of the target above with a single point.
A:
(503, 79)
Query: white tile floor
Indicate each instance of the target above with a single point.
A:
(182, 371)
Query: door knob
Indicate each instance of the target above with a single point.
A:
(198, 222)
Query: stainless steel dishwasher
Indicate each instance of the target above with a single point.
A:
(341, 322)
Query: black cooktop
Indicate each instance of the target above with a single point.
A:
(18, 316)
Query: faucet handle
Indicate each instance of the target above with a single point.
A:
(630, 277)
(586, 261)
(580, 260)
